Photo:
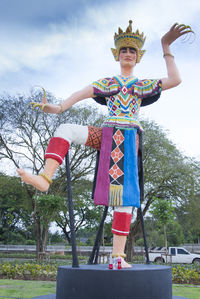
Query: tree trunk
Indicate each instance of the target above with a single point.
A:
(130, 246)
(166, 244)
(38, 236)
(37, 224)
(67, 235)
(44, 237)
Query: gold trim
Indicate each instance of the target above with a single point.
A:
(119, 254)
(46, 178)
(61, 109)
(168, 54)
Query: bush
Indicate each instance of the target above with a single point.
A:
(186, 274)
(28, 271)
(30, 242)
(181, 274)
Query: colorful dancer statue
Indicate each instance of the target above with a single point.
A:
(117, 178)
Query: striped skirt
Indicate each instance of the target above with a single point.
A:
(117, 181)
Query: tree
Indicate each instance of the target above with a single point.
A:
(155, 236)
(24, 135)
(163, 212)
(14, 209)
(188, 217)
(175, 234)
(85, 213)
(47, 207)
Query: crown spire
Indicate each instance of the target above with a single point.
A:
(129, 28)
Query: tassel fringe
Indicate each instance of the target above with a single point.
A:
(116, 195)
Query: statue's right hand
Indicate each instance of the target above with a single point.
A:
(45, 106)
(40, 105)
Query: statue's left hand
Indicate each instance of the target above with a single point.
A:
(175, 32)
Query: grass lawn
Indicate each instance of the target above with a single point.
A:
(29, 289)
(26, 288)
(187, 291)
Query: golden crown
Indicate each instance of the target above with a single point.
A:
(129, 39)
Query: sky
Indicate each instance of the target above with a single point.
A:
(64, 45)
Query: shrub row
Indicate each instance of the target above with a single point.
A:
(32, 256)
(28, 271)
(34, 271)
(185, 274)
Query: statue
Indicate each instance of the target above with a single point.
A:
(117, 179)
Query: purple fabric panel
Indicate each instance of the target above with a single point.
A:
(101, 195)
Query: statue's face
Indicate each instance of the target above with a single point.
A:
(127, 56)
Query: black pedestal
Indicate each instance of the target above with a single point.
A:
(97, 281)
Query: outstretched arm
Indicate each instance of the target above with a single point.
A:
(77, 96)
(173, 78)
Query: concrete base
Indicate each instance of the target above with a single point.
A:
(97, 281)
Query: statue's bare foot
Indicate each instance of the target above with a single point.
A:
(124, 264)
(36, 181)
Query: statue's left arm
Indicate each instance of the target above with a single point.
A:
(173, 78)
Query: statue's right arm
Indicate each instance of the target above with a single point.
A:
(76, 97)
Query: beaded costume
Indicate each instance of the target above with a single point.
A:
(117, 179)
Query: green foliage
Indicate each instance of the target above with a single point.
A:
(27, 270)
(48, 206)
(188, 217)
(55, 238)
(181, 274)
(162, 210)
(168, 174)
(175, 234)
(155, 236)
(14, 211)
(15, 255)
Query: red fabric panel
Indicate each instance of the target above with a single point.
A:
(121, 223)
(57, 149)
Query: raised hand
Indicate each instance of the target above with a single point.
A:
(41, 105)
(44, 106)
(175, 32)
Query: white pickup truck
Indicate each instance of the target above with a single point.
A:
(176, 255)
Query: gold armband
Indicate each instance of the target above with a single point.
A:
(43, 106)
(46, 178)
(61, 109)
(168, 54)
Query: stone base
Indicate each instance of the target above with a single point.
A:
(97, 281)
